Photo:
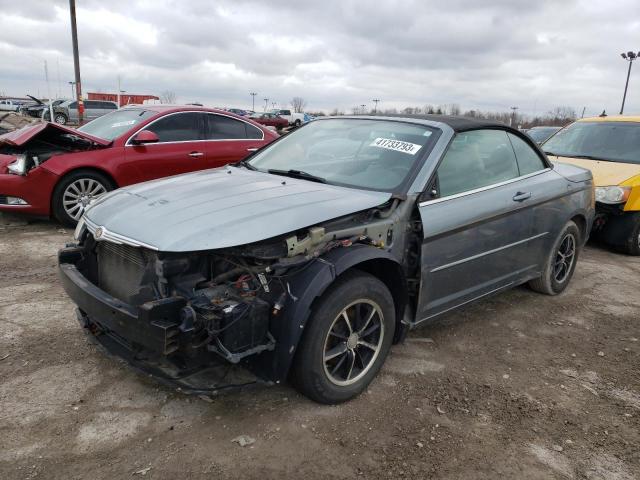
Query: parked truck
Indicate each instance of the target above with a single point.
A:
(293, 118)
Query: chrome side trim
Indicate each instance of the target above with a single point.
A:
(488, 252)
(127, 144)
(113, 237)
(482, 189)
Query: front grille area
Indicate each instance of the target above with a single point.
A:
(121, 269)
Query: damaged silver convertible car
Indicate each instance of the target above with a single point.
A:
(309, 259)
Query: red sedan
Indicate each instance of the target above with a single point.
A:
(50, 170)
(270, 120)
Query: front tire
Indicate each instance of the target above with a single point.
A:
(346, 340)
(74, 193)
(631, 245)
(298, 122)
(60, 118)
(560, 262)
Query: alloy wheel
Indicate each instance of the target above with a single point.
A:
(565, 257)
(79, 194)
(353, 342)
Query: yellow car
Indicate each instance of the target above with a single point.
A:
(610, 148)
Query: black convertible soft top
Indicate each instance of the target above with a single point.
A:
(459, 124)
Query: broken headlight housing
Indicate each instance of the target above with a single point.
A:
(613, 194)
(19, 166)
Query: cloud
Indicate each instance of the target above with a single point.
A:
(486, 55)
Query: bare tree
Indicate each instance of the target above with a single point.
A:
(168, 96)
(562, 115)
(335, 112)
(453, 109)
(298, 104)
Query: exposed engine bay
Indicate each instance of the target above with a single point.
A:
(47, 143)
(226, 302)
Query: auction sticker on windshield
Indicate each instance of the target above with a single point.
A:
(123, 124)
(397, 145)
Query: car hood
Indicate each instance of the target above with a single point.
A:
(604, 173)
(21, 136)
(221, 208)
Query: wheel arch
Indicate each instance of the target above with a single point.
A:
(66, 174)
(392, 275)
(581, 221)
(309, 285)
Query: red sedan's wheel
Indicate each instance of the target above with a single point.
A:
(74, 193)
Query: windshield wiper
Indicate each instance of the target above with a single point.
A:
(245, 164)
(571, 155)
(297, 174)
(591, 157)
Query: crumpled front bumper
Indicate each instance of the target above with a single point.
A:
(145, 336)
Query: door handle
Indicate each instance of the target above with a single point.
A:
(196, 154)
(521, 196)
(252, 149)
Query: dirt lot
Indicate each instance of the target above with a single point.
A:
(520, 386)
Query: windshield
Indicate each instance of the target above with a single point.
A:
(539, 135)
(112, 125)
(369, 154)
(612, 141)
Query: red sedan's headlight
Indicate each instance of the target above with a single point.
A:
(19, 167)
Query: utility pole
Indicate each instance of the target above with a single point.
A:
(629, 57)
(73, 95)
(76, 60)
(118, 94)
(266, 102)
(253, 100)
(583, 110)
(59, 92)
(375, 108)
(363, 108)
(513, 115)
(46, 77)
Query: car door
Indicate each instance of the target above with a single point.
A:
(476, 223)
(544, 186)
(229, 140)
(180, 147)
(92, 110)
(72, 110)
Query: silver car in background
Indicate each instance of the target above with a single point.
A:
(67, 111)
(309, 259)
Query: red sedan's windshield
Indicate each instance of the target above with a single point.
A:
(114, 124)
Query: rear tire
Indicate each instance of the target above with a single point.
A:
(74, 192)
(298, 122)
(338, 358)
(560, 263)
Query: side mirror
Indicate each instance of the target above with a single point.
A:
(145, 136)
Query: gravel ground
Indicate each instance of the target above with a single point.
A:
(519, 386)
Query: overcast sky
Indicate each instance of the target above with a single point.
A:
(487, 55)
